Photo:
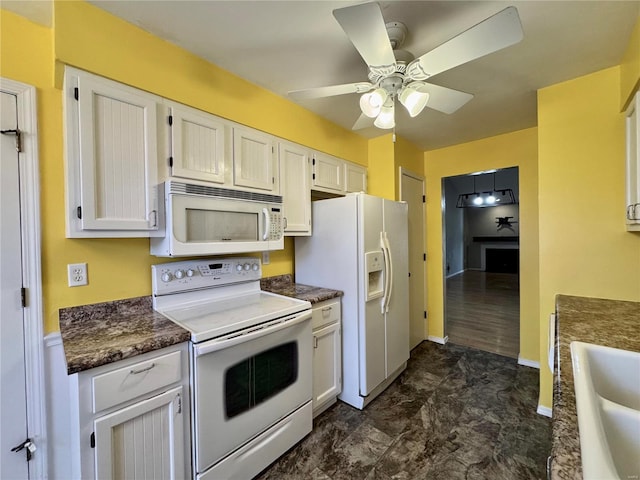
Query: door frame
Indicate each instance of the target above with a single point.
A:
(31, 270)
(404, 172)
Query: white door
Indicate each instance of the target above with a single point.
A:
(13, 414)
(412, 191)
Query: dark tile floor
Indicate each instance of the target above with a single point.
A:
(455, 413)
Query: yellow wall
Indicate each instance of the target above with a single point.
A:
(584, 248)
(381, 172)
(88, 38)
(516, 149)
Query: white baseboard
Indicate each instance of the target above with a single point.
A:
(456, 273)
(439, 340)
(52, 339)
(546, 411)
(528, 363)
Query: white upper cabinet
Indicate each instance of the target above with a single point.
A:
(355, 178)
(295, 179)
(111, 158)
(328, 173)
(197, 144)
(338, 176)
(254, 160)
(633, 165)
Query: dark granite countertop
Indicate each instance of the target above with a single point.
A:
(284, 285)
(611, 323)
(98, 334)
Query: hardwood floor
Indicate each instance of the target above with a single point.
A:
(483, 311)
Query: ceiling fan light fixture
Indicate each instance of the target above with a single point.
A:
(371, 103)
(387, 117)
(413, 99)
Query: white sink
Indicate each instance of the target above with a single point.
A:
(607, 387)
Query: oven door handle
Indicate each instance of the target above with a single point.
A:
(249, 334)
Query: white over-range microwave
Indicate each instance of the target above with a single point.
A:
(207, 220)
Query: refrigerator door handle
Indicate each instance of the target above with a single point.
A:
(384, 245)
(390, 272)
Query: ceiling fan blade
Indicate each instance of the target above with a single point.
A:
(319, 92)
(443, 99)
(363, 122)
(495, 33)
(365, 27)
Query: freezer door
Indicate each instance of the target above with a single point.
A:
(372, 365)
(396, 323)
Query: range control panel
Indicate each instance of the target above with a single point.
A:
(177, 277)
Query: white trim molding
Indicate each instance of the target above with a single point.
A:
(546, 411)
(528, 363)
(31, 270)
(440, 340)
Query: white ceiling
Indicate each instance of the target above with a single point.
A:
(292, 45)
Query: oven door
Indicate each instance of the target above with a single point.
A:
(245, 382)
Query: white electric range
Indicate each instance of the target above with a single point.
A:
(250, 358)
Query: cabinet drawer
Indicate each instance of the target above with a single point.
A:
(325, 313)
(129, 382)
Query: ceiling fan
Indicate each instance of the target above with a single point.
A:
(394, 73)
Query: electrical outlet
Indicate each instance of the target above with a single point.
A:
(77, 274)
(265, 258)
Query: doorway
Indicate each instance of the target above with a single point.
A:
(22, 409)
(481, 260)
(412, 188)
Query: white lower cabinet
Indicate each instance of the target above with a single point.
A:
(327, 354)
(130, 419)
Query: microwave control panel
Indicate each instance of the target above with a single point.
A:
(275, 227)
(177, 277)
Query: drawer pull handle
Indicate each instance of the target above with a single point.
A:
(142, 370)
(326, 309)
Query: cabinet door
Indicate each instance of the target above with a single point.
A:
(111, 156)
(633, 165)
(197, 145)
(355, 177)
(254, 160)
(327, 364)
(295, 166)
(144, 440)
(328, 172)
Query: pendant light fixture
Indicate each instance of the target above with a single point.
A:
(489, 198)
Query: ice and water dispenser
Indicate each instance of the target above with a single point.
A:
(375, 274)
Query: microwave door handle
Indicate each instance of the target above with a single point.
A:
(267, 224)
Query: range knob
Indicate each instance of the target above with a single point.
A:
(179, 274)
(166, 277)
(247, 267)
(239, 267)
(191, 272)
(255, 267)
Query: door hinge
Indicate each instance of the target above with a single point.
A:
(313, 161)
(28, 445)
(409, 273)
(23, 297)
(313, 176)
(425, 314)
(273, 180)
(76, 93)
(18, 135)
(179, 398)
(92, 440)
(171, 162)
(424, 257)
(170, 120)
(424, 199)
(79, 212)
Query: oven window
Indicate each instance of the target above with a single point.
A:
(221, 226)
(260, 377)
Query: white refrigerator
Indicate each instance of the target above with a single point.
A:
(360, 246)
